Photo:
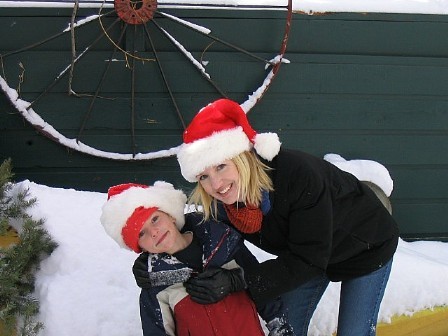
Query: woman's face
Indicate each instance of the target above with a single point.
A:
(159, 234)
(221, 182)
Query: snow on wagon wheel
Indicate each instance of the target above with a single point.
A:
(122, 80)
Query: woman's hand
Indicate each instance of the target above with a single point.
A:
(214, 284)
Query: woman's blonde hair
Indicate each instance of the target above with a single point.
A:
(253, 180)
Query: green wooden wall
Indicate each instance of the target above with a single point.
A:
(365, 86)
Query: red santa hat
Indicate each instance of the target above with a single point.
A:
(130, 205)
(219, 132)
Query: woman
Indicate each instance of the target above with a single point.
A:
(150, 220)
(321, 222)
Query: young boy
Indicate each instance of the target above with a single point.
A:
(150, 219)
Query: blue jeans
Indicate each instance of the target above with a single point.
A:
(360, 300)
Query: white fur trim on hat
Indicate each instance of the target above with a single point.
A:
(210, 151)
(120, 207)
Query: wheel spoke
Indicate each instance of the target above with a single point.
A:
(133, 96)
(165, 81)
(191, 59)
(215, 38)
(103, 77)
(64, 72)
(42, 42)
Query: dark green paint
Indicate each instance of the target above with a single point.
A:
(365, 86)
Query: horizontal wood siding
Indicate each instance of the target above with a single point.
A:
(365, 86)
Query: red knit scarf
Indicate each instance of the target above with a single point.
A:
(246, 219)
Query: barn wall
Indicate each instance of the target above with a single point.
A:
(365, 86)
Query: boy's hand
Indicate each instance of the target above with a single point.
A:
(140, 270)
(214, 284)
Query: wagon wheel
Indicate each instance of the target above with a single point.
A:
(126, 75)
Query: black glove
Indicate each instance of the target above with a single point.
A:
(214, 284)
(140, 270)
(279, 327)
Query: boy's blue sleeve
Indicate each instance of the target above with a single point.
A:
(150, 315)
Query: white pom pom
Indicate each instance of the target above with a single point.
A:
(267, 145)
(163, 184)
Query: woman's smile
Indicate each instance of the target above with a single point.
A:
(228, 195)
(225, 190)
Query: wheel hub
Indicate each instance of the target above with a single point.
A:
(135, 12)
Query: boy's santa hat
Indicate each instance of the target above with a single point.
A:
(130, 205)
(219, 132)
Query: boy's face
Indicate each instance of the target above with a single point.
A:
(159, 234)
(221, 182)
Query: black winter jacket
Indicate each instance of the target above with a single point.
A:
(321, 220)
